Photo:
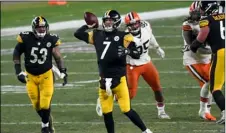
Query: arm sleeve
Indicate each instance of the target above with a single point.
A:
(81, 34)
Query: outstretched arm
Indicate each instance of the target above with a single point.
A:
(81, 34)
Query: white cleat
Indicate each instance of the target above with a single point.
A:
(147, 131)
(222, 119)
(98, 108)
(163, 115)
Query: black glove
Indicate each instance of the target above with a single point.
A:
(64, 71)
(21, 77)
(122, 51)
(195, 45)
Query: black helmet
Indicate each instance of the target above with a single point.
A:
(114, 20)
(209, 7)
(40, 26)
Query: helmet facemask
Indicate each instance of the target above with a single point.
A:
(134, 27)
(40, 27)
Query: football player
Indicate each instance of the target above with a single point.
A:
(144, 66)
(198, 64)
(38, 47)
(112, 46)
(212, 31)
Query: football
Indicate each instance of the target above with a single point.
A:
(90, 19)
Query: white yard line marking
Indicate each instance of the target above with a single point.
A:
(100, 123)
(12, 89)
(95, 73)
(94, 104)
(77, 23)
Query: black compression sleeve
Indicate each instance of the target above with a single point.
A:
(81, 34)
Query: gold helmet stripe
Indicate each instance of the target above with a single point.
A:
(107, 13)
(40, 19)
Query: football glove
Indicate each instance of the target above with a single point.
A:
(160, 52)
(122, 51)
(91, 26)
(22, 77)
(63, 75)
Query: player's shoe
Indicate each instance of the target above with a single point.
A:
(222, 119)
(51, 127)
(206, 115)
(163, 115)
(45, 130)
(98, 108)
(147, 131)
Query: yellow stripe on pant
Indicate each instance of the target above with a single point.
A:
(122, 93)
(217, 71)
(40, 89)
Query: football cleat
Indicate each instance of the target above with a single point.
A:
(98, 108)
(206, 116)
(163, 115)
(45, 130)
(147, 131)
(222, 119)
(51, 128)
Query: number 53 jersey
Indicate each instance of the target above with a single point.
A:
(37, 52)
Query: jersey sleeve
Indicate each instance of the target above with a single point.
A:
(56, 41)
(204, 22)
(127, 40)
(19, 39)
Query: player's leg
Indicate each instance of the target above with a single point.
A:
(151, 76)
(107, 108)
(46, 88)
(217, 80)
(124, 103)
(33, 92)
(132, 76)
(200, 72)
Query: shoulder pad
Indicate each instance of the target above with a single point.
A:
(186, 26)
(22, 36)
(128, 38)
(203, 23)
(55, 39)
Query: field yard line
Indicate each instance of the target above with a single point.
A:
(95, 73)
(94, 60)
(94, 104)
(77, 23)
(100, 123)
(13, 89)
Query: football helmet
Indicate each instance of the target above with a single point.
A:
(111, 20)
(40, 26)
(194, 12)
(133, 22)
(208, 7)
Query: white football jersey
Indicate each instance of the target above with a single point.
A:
(189, 57)
(143, 42)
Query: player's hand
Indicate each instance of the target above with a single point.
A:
(91, 26)
(63, 75)
(22, 77)
(160, 52)
(122, 51)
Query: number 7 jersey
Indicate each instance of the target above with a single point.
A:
(37, 52)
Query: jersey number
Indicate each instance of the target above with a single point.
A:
(43, 52)
(222, 30)
(144, 48)
(105, 49)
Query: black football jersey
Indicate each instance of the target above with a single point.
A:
(106, 45)
(216, 36)
(37, 52)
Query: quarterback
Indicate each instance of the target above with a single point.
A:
(198, 64)
(38, 47)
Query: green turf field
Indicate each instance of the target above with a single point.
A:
(74, 105)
